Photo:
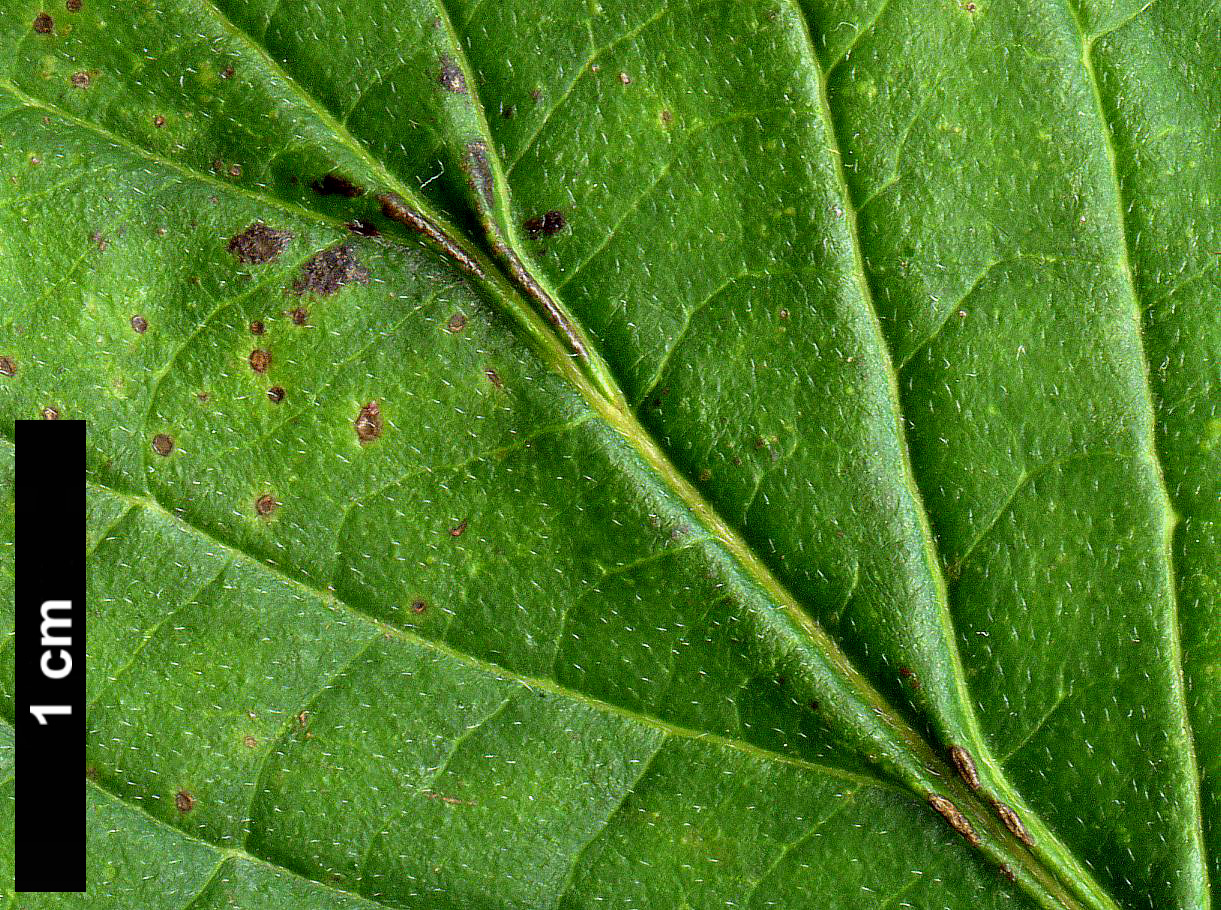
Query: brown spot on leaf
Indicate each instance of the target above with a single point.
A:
(1011, 821)
(250, 742)
(184, 801)
(451, 77)
(419, 605)
(163, 444)
(73, 6)
(479, 172)
(44, 24)
(235, 170)
(139, 324)
(81, 79)
(456, 324)
(459, 529)
(545, 225)
(362, 227)
(257, 328)
(158, 121)
(303, 718)
(1008, 873)
(784, 314)
(625, 78)
(909, 675)
(266, 504)
(508, 111)
(369, 422)
(299, 316)
(328, 271)
(99, 241)
(494, 378)
(227, 72)
(965, 765)
(49, 413)
(536, 95)
(667, 117)
(259, 244)
(260, 360)
(275, 394)
(954, 818)
(336, 185)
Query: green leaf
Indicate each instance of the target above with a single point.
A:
(732, 454)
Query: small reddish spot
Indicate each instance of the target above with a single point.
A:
(362, 227)
(99, 241)
(260, 360)
(458, 529)
(44, 24)
(536, 95)
(266, 504)
(303, 718)
(494, 378)
(369, 422)
(50, 413)
(545, 225)
(158, 121)
(139, 324)
(227, 72)
(275, 394)
(74, 6)
(163, 444)
(910, 675)
(202, 396)
(257, 328)
(299, 316)
(457, 323)
(184, 801)
(235, 170)
(1008, 873)
(784, 314)
(8, 366)
(81, 79)
(419, 605)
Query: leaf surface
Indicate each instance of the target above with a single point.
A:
(630, 455)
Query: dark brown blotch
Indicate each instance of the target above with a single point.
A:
(494, 378)
(73, 6)
(459, 529)
(8, 366)
(227, 72)
(50, 413)
(908, 674)
(163, 444)
(326, 272)
(456, 324)
(1010, 820)
(260, 360)
(158, 121)
(369, 422)
(257, 328)
(81, 79)
(419, 605)
(184, 801)
(259, 244)
(362, 227)
(299, 316)
(545, 225)
(954, 818)
(139, 324)
(275, 394)
(44, 24)
(266, 504)
(451, 77)
(336, 185)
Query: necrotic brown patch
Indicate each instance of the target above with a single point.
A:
(260, 360)
(275, 394)
(73, 6)
(419, 605)
(494, 378)
(266, 504)
(451, 77)
(8, 366)
(328, 271)
(184, 801)
(81, 79)
(259, 244)
(257, 328)
(49, 413)
(965, 765)
(369, 422)
(362, 227)
(44, 24)
(459, 529)
(139, 324)
(457, 323)
(336, 185)
(479, 172)
(163, 444)
(299, 316)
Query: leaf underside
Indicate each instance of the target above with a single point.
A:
(624, 455)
